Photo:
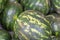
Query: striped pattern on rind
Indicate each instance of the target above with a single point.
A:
(39, 5)
(4, 35)
(2, 4)
(55, 23)
(11, 12)
(56, 4)
(29, 26)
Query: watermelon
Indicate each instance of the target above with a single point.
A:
(2, 4)
(56, 4)
(55, 38)
(12, 0)
(10, 14)
(51, 17)
(52, 8)
(4, 35)
(32, 25)
(55, 25)
(38, 5)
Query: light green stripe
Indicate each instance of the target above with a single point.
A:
(34, 21)
(57, 6)
(26, 38)
(36, 31)
(43, 18)
(31, 4)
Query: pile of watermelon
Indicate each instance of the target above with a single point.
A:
(29, 19)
